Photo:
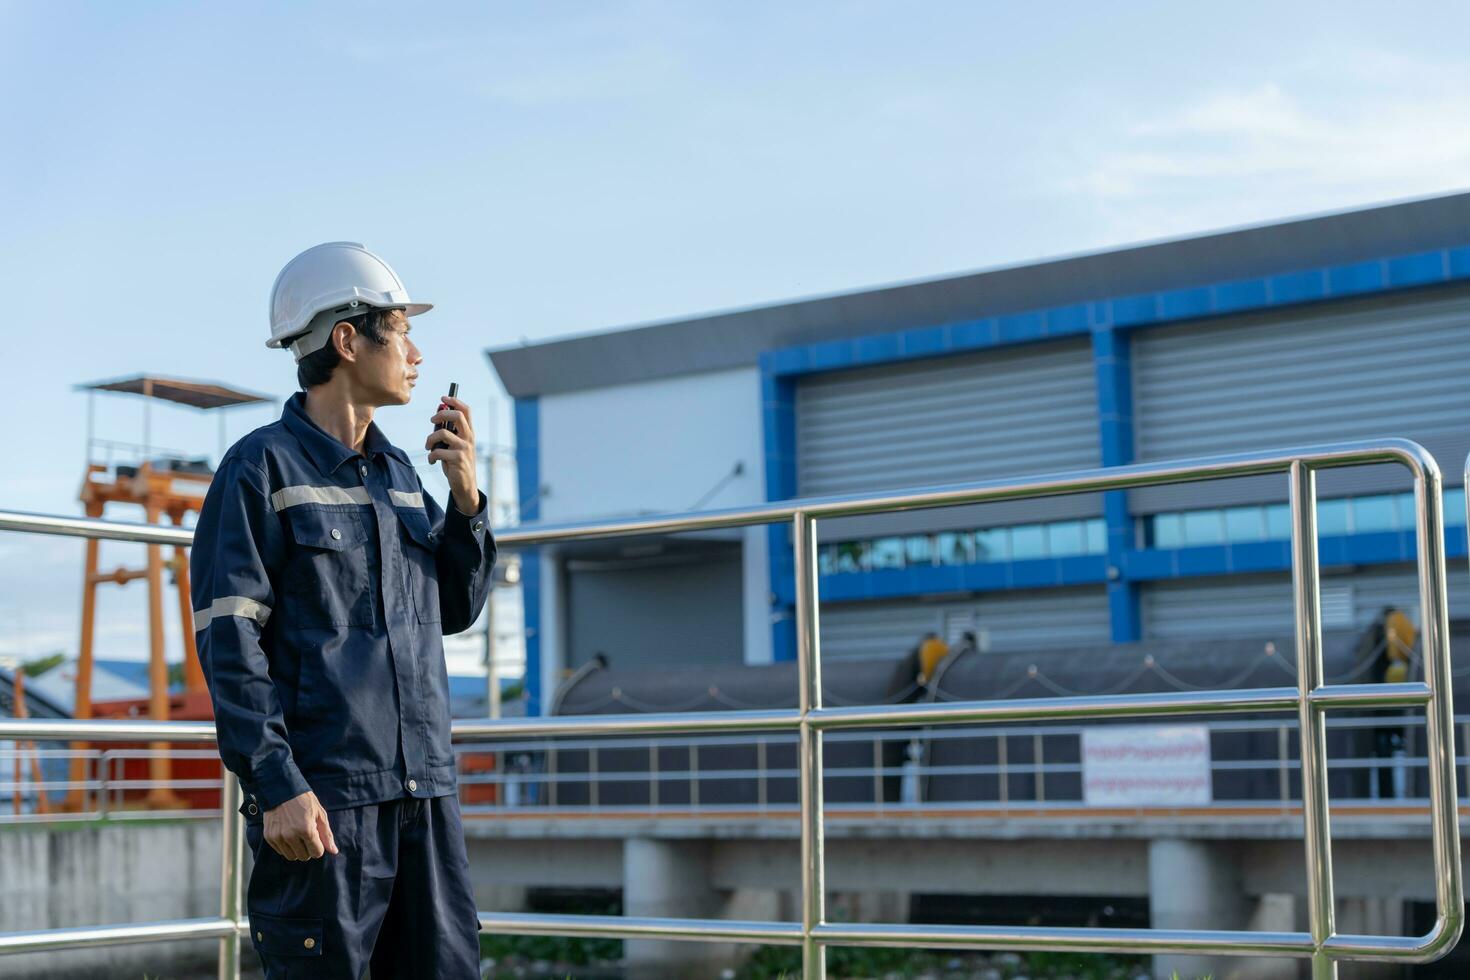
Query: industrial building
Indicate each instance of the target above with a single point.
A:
(1345, 326)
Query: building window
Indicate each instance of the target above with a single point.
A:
(918, 550)
(991, 544)
(1376, 513)
(1267, 522)
(955, 547)
(1028, 541)
(1245, 523)
(1332, 517)
(1065, 538)
(1204, 526)
(887, 553)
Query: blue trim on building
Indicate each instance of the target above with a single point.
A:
(1112, 359)
(1357, 279)
(1371, 548)
(1109, 321)
(528, 488)
(778, 421)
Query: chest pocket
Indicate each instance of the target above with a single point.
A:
(326, 579)
(419, 546)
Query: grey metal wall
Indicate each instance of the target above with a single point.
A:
(674, 612)
(1387, 367)
(1013, 621)
(1012, 412)
(1260, 605)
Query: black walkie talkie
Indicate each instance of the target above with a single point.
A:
(453, 393)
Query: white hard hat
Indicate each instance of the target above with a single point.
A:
(325, 283)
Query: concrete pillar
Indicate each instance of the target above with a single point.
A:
(1194, 884)
(670, 879)
(1275, 912)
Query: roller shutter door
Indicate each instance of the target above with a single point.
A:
(1386, 367)
(673, 613)
(1028, 620)
(1260, 605)
(1002, 413)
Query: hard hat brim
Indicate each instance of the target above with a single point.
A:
(409, 309)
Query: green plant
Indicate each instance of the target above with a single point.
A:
(556, 949)
(39, 666)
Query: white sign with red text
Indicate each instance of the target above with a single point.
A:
(1146, 765)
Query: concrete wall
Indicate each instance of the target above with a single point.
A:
(107, 874)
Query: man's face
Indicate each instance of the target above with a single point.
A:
(385, 375)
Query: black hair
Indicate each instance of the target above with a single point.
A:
(316, 368)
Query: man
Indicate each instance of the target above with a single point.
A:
(323, 578)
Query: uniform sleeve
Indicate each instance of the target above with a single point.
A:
(237, 542)
(463, 560)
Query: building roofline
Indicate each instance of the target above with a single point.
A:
(735, 338)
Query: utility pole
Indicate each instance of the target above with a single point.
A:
(492, 682)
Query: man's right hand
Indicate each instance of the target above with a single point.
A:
(298, 829)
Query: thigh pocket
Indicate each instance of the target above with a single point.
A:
(326, 575)
(280, 935)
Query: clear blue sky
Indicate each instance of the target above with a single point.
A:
(540, 169)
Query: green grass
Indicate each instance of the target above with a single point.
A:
(86, 823)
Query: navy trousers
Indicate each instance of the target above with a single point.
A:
(395, 901)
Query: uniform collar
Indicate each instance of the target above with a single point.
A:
(325, 450)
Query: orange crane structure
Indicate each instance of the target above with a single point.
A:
(162, 483)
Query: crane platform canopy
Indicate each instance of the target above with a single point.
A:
(196, 394)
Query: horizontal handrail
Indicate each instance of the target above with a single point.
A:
(1323, 456)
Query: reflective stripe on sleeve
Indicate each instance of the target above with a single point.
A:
(232, 605)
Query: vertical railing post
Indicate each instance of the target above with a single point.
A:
(1439, 714)
(653, 775)
(1002, 763)
(1038, 756)
(760, 767)
(232, 857)
(809, 747)
(878, 773)
(1283, 764)
(1306, 601)
(104, 790)
(693, 775)
(592, 795)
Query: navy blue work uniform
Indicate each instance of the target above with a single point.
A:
(323, 582)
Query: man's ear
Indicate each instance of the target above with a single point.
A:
(343, 335)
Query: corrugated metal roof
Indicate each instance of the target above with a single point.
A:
(736, 338)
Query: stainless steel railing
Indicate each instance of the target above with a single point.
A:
(1251, 768)
(1310, 699)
